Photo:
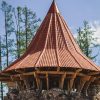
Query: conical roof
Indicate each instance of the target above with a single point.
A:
(53, 46)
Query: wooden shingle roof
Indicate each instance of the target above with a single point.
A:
(53, 46)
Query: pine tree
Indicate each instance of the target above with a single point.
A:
(17, 28)
(86, 40)
(1, 84)
(20, 23)
(20, 26)
(8, 44)
(28, 24)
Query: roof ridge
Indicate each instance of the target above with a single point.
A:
(77, 50)
(45, 41)
(22, 61)
(56, 41)
(49, 46)
(53, 8)
(67, 46)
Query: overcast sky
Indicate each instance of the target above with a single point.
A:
(73, 11)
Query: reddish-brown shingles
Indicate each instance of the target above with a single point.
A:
(53, 46)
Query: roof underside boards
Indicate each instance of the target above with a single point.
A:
(53, 46)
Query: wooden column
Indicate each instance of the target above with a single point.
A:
(17, 79)
(82, 82)
(18, 85)
(25, 80)
(86, 86)
(47, 81)
(37, 80)
(61, 82)
(71, 81)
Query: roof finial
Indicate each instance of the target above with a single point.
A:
(53, 0)
(53, 8)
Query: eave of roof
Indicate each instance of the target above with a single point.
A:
(53, 46)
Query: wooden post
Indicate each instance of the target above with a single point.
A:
(83, 80)
(18, 82)
(26, 84)
(71, 81)
(25, 80)
(12, 78)
(58, 69)
(37, 80)
(18, 85)
(87, 85)
(47, 81)
(61, 82)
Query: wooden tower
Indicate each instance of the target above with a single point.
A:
(52, 60)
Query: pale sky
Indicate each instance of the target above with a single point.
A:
(73, 11)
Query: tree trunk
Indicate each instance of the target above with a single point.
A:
(1, 69)
(7, 55)
(26, 20)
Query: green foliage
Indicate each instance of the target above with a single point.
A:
(20, 25)
(26, 25)
(86, 40)
(7, 40)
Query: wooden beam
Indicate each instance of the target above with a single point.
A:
(11, 84)
(1, 78)
(61, 83)
(50, 72)
(94, 73)
(86, 78)
(27, 74)
(21, 77)
(5, 80)
(47, 81)
(14, 78)
(78, 70)
(20, 70)
(6, 74)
